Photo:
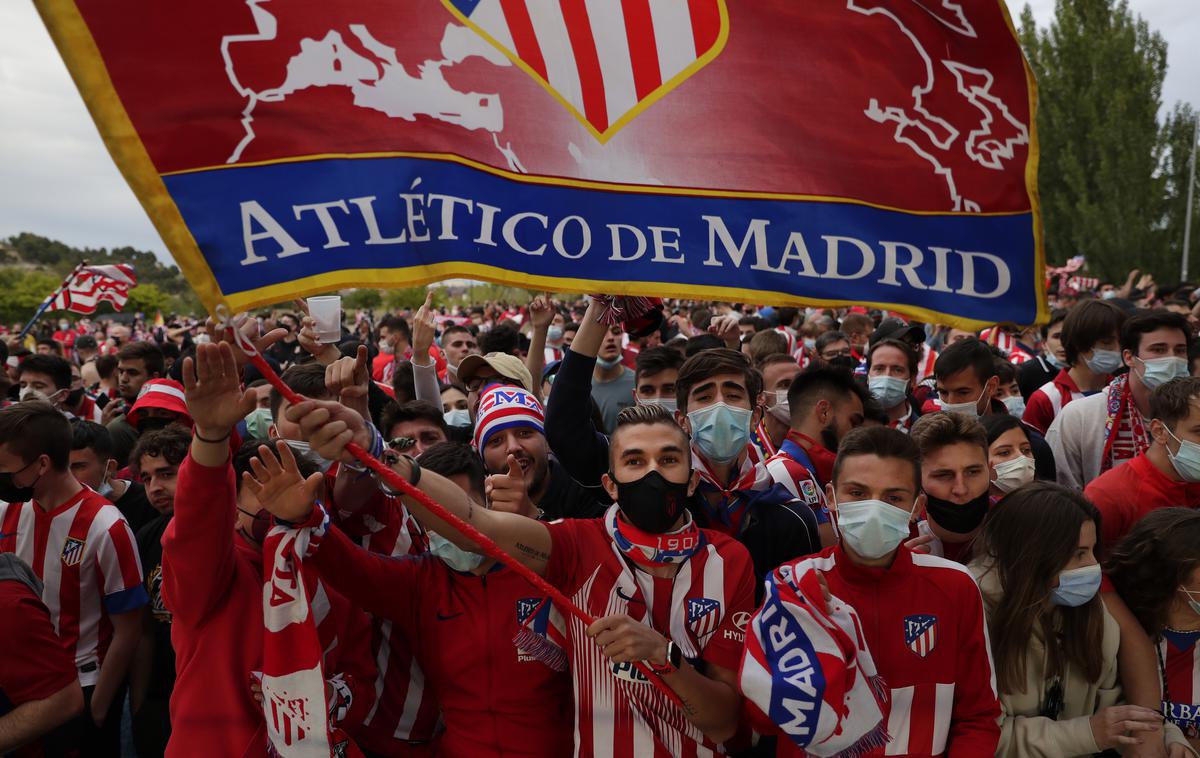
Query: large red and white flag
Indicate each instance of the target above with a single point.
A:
(91, 284)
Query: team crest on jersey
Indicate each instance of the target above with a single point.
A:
(703, 615)
(541, 633)
(72, 552)
(920, 633)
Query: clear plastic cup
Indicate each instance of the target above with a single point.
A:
(326, 311)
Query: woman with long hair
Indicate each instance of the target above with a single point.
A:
(1010, 454)
(1156, 570)
(1054, 645)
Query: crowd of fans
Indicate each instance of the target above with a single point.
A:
(1007, 518)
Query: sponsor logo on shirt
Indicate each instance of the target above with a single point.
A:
(72, 552)
(808, 489)
(626, 672)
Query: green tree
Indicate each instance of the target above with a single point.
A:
(1100, 71)
(1178, 134)
(362, 298)
(22, 291)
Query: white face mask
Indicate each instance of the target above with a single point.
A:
(668, 404)
(780, 409)
(1013, 474)
(457, 417)
(872, 528)
(970, 408)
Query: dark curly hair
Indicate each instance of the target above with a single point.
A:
(1155, 558)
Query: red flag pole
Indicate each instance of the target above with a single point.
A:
(46, 303)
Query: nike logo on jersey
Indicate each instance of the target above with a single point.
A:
(444, 617)
(627, 598)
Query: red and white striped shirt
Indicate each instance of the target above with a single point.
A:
(85, 555)
(1181, 693)
(704, 609)
(403, 710)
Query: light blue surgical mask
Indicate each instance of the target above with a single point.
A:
(1158, 371)
(554, 334)
(872, 528)
(453, 555)
(301, 447)
(1192, 602)
(1053, 361)
(969, 408)
(607, 364)
(1015, 405)
(457, 417)
(810, 343)
(1186, 460)
(721, 431)
(1077, 586)
(1104, 361)
(668, 404)
(258, 422)
(890, 391)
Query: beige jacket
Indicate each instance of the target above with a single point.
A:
(1025, 734)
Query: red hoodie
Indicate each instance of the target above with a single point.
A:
(212, 584)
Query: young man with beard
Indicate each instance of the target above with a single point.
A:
(213, 586)
(463, 615)
(663, 590)
(612, 381)
(93, 465)
(80, 547)
(152, 676)
(137, 363)
(921, 619)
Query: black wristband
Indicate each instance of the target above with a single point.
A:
(414, 471)
(211, 442)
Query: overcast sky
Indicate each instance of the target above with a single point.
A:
(56, 178)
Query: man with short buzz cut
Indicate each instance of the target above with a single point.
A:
(966, 383)
(778, 372)
(1166, 475)
(666, 593)
(1098, 433)
(80, 546)
(93, 465)
(921, 618)
(457, 343)
(1091, 337)
(891, 373)
(417, 420)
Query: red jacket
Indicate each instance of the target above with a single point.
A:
(1126, 493)
(942, 703)
(496, 700)
(1047, 401)
(212, 584)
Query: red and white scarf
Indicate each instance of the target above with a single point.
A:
(797, 638)
(1125, 434)
(728, 515)
(646, 549)
(293, 679)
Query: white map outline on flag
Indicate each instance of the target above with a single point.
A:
(980, 146)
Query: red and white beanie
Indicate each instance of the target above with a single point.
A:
(503, 406)
(159, 393)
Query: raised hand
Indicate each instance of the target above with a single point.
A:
(278, 484)
(424, 325)
(507, 492)
(726, 327)
(213, 390)
(307, 337)
(349, 379)
(329, 426)
(541, 312)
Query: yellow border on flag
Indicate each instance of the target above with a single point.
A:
(78, 50)
(82, 57)
(1031, 178)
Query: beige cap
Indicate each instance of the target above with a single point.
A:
(507, 366)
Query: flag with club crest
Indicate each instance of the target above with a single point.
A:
(690, 148)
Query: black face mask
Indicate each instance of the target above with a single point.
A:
(953, 517)
(74, 396)
(152, 424)
(652, 503)
(10, 492)
(829, 439)
(844, 362)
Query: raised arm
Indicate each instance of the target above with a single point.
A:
(541, 313)
(424, 369)
(330, 426)
(578, 445)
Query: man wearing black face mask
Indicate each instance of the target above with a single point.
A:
(955, 478)
(676, 599)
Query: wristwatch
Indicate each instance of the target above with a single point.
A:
(674, 660)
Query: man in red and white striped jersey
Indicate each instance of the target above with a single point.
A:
(666, 593)
(83, 551)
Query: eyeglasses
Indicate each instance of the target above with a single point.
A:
(836, 354)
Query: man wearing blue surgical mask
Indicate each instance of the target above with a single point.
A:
(922, 616)
(1166, 475)
(1099, 433)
